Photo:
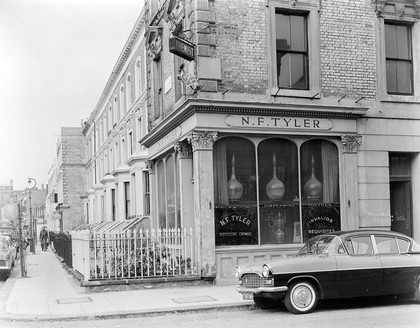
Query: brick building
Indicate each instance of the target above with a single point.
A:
(268, 122)
(67, 182)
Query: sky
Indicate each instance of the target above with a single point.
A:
(55, 59)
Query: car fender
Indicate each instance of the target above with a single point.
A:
(315, 281)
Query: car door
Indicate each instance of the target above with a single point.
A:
(399, 271)
(360, 270)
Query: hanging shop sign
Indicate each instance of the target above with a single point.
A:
(182, 48)
(278, 122)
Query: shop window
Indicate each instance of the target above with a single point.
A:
(235, 192)
(168, 207)
(319, 188)
(161, 197)
(170, 194)
(399, 60)
(279, 191)
(292, 51)
(275, 194)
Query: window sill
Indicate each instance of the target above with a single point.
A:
(399, 99)
(312, 94)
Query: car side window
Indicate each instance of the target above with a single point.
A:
(4, 244)
(386, 245)
(403, 245)
(359, 245)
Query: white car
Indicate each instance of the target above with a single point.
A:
(7, 255)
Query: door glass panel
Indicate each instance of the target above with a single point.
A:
(359, 245)
(403, 245)
(386, 245)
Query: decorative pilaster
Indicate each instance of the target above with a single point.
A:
(350, 182)
(150, 166)
(202, 140)
(203, 194)
(351, 143)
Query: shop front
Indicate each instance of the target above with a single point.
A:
(258, 183)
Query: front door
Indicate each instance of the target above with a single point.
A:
(359, 272)
(401, 220)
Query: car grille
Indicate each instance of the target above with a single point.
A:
(252, 280)
(2, 263)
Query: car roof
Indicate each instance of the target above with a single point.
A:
(366, 232)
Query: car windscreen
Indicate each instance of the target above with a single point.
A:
(318, 245)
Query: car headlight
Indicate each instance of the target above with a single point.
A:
(237, 272)
(266, 271)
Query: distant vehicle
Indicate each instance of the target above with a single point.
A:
(335, 265)
(7, 255)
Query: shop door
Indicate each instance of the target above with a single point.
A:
(401, 220)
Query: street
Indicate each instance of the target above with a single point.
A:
(386, 313)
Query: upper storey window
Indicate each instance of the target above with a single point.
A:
(292, 51)
(399, 59)
(295, 49)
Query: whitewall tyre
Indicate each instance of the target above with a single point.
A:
(301, 297)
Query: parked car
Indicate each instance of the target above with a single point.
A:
(7, 255)
(14, 242)
(342, 264)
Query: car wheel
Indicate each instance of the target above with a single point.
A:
(265, 303)
(301, 297)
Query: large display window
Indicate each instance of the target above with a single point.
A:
(274, 191)
(168, 201)
(235, 192)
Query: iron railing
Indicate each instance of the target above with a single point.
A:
(135, 254)
(62, 244)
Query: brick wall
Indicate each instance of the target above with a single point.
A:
(73, 177)
(241, 44)
(348, 53)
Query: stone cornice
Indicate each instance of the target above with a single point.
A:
(192, 106)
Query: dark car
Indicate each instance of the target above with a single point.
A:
(342, 264)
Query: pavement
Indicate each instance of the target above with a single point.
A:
(50, 292)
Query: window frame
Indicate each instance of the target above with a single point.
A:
(220, 205)
(310, 10)
(383, 94)
(401, 60)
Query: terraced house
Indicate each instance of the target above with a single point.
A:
(261, 123)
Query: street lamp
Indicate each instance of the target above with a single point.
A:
(31, 220)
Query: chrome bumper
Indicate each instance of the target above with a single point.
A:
(263, 289)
